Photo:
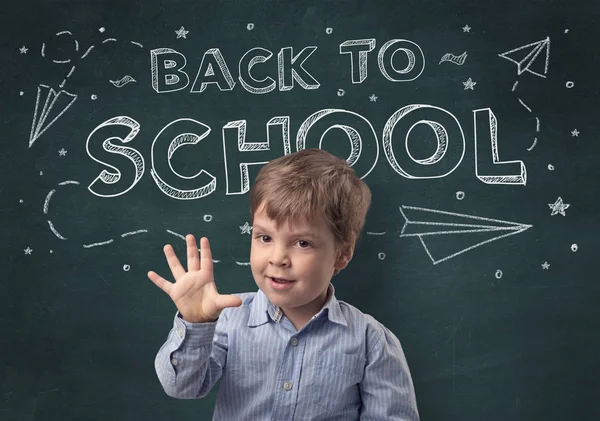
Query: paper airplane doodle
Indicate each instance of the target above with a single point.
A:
(526, 57)
(55, 105)
(443, 231)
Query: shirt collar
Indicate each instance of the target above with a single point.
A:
(262, 309)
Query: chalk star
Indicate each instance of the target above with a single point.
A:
(181, 33)
(246, 228)
(466, 28)
(575, 133)
(558, 207)
(23, 50)
(545, 265)
(373, 98)
(469, 84)
(28, 250)
(62, 152)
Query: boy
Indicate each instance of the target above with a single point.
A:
(290, 351)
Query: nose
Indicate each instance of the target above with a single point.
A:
(279, 256)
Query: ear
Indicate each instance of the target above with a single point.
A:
(344, 255)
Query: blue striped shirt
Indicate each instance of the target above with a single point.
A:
(342, 365)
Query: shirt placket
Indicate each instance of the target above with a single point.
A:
(288, 379)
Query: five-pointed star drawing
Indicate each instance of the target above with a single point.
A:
(466, 28)
(246, 228)
(28, 250)
(575, 133)
(558, 207)
(373, 98)
(546, 265)
(469, 84)
(62, 152)
(23, 50)
(181, 33)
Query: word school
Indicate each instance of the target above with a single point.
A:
(125, 165)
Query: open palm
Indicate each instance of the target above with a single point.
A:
(194, 291)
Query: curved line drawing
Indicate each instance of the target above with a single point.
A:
(103, 243)
(137, 43)
(54, 231)
(524, 105)
(376, 233)
(91, 47)
(176, 234)
(242, 263)
(134, 233)
(109, 40)
(532, 146)
(47, 201)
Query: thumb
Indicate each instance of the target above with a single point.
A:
(224, 301)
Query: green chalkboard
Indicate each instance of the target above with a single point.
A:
(126, 125)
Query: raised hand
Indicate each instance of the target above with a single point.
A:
(194, 292)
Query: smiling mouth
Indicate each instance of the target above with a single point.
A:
(280, 280)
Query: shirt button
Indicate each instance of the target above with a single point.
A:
(294, 341)
(174, 361)
(180, 332)
(287, 386)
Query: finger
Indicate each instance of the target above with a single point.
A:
(193, 260)
(224, 301)
(160, 282)
(176, 269)
(206, 262)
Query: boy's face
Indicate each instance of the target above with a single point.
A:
(302, 258)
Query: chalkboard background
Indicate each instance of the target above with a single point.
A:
(507, 329)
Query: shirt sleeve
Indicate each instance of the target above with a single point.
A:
(387, 390)
(193, 358)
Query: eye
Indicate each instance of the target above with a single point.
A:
(303, 244)
(264, 238)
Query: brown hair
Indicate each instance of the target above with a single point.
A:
(312, 183)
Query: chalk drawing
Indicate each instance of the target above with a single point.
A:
(527, 64)
(182, 33)
(533, 145)
(451, 58)
(558, 207)
(246, 228)
(469, 84)
(123, 81)
(431, 224)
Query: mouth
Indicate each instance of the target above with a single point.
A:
(280, 280)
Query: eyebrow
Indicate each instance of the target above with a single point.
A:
(295, 234)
